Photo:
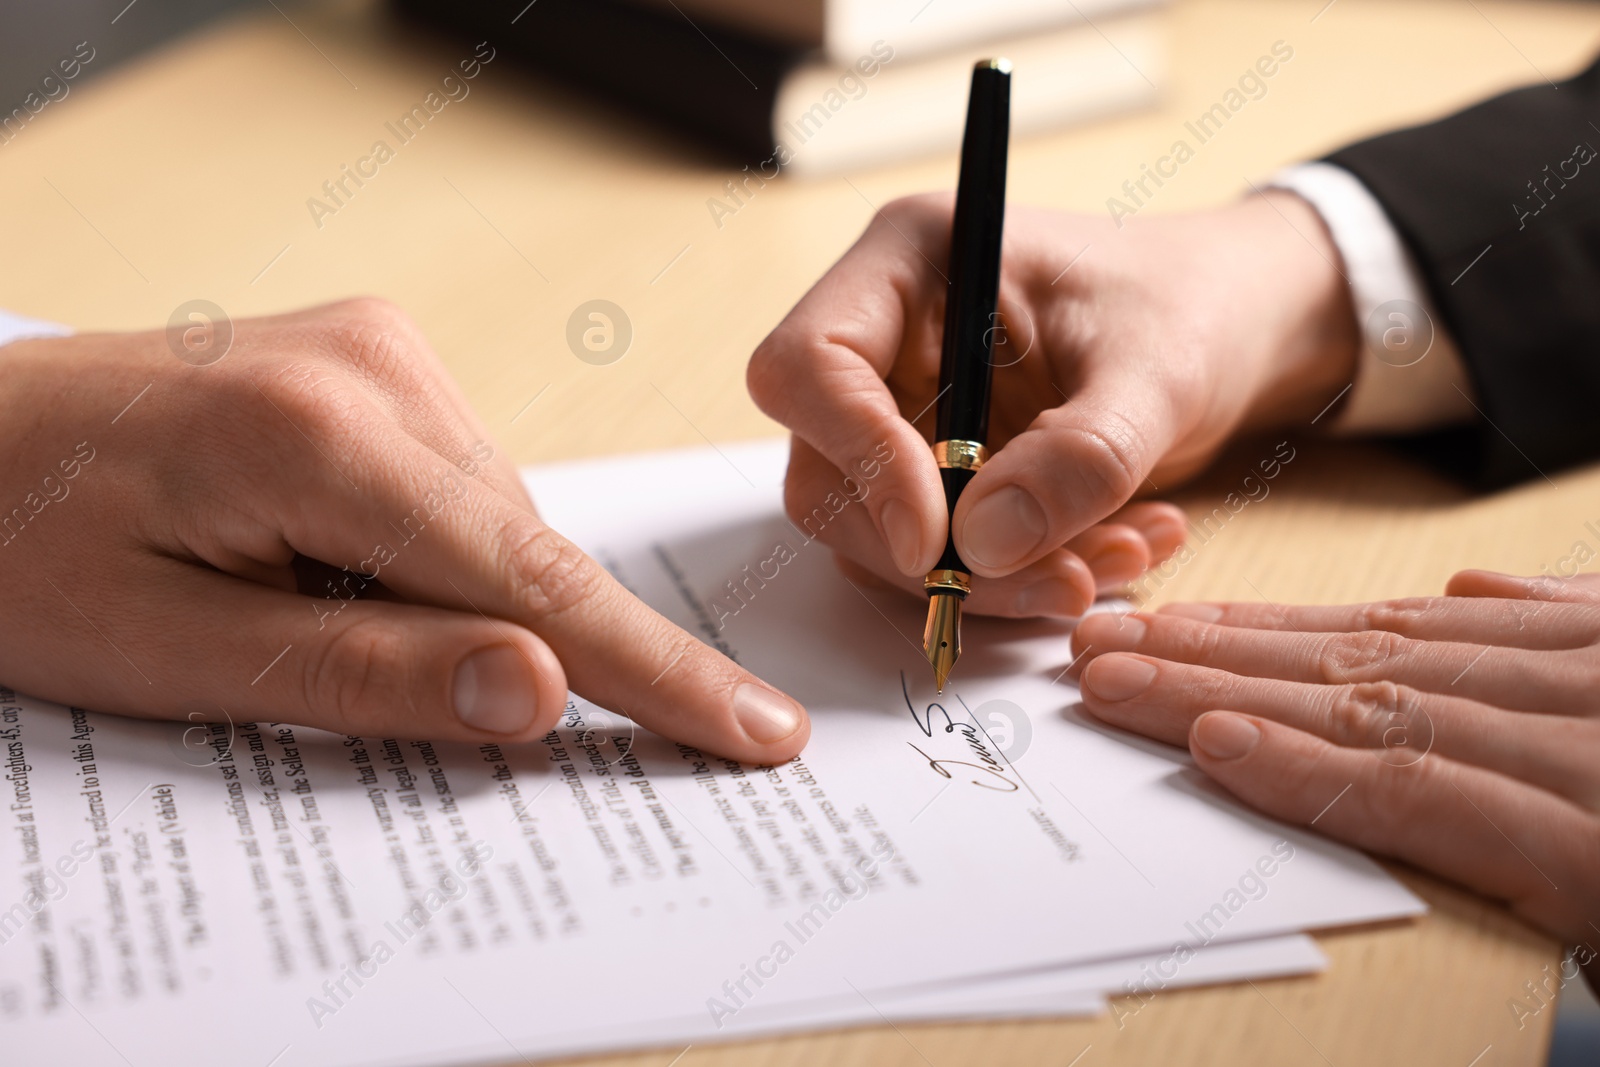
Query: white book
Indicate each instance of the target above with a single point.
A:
(846, 29)
(826, 120)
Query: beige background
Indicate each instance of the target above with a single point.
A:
(186, 176)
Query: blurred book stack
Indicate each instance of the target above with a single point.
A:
(816, 86)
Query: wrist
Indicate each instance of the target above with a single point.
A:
(1312, 338)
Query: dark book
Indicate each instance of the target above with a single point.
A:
(771, 105)
(716, 86)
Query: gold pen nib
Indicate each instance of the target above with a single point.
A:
(941, 638)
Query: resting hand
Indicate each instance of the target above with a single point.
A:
(1459, 733)
(158, 518)
(1130, 356)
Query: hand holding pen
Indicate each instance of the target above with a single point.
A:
(1128, 358)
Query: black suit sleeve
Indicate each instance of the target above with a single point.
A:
(1500, 206)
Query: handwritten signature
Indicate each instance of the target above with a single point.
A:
(992, 773)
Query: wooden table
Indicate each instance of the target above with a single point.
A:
(187, 176)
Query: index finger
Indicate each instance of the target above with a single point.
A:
(1478, 620)
(822, 372)
(371, 499)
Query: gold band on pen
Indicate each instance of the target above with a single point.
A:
(959, 455)
(954, 454)
(959, 582)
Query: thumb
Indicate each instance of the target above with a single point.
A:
(1073, 466)
(260, 654)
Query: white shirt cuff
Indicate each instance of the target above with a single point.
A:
(16, 327)
(1409, 375)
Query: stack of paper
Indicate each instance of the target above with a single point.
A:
(170, 891)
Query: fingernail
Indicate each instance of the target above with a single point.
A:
(1160, 525)
(1118, 677)
(495, 690)
(1197, 612)
(1115, 562)
(765, 716)
(1004, 528)
(1081, 579)
(1224, 735)
(903, 532)
(1052, 597)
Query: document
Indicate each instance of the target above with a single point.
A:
(173, 893)
(1055, 992)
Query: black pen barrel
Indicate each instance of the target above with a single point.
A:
(970, 322)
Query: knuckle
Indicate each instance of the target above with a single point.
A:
(1353, 657)
(1107, 455)
(915, 210)
(1390, 794)
(372, 311)
(556, 575)
(1583, 665)
(1361, 713)
(1570, 589)
(1582, 736)
(1586, 621)
(353, 672)
(315, 399)
(1395, 616)
(689, 666)
(373, 334)
(1192, 642)
(766, 374)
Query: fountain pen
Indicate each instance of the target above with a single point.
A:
(966, 361)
